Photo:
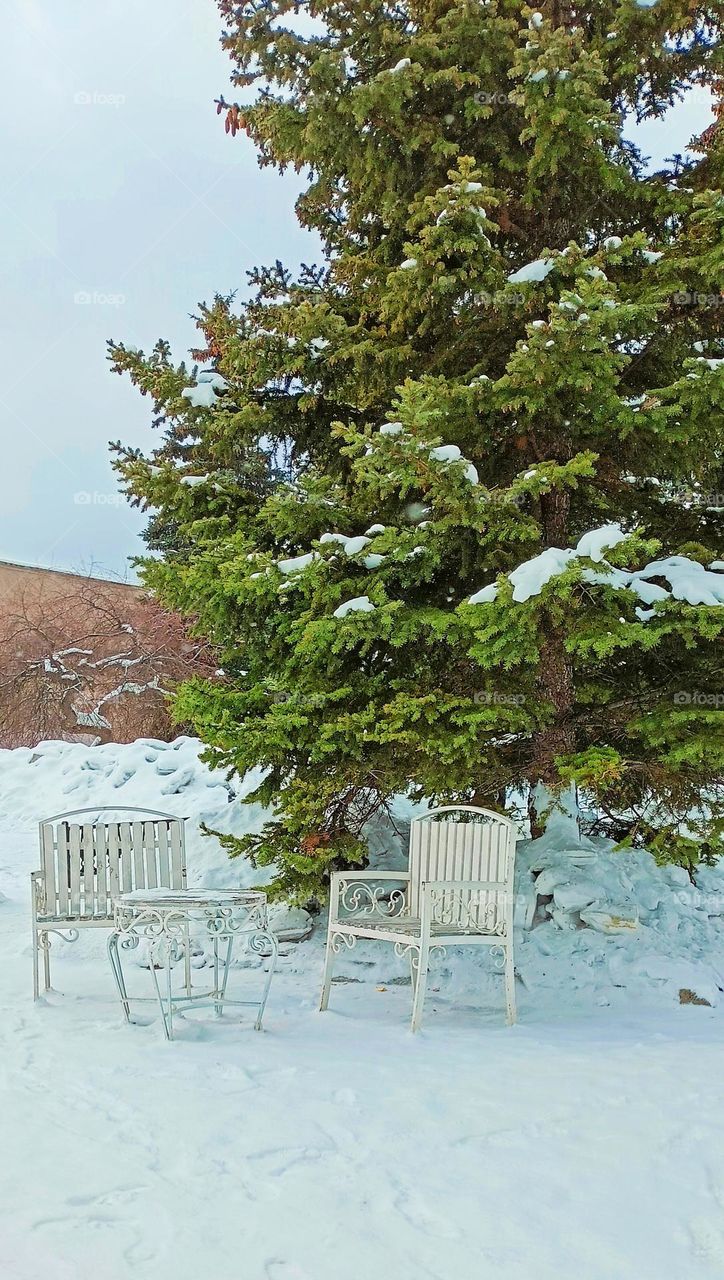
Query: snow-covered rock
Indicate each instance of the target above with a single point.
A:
(574, 895)
(612, 920)
(290, 924)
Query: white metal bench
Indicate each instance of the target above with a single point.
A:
(85, 864)
(458, 891)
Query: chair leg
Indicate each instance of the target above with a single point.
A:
(327, 978)
(418, 998)
(509, 986)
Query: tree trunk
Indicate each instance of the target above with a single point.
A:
(555, 676)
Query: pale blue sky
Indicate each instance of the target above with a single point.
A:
(122, 205)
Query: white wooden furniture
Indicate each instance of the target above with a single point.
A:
(87, 860)
(164, 919)
(458, 890)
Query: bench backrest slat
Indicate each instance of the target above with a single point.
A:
(178, 862)
(48, 865)
(124, 831)
(164, 862)
(71, 842)
(100, 840)
(150, 848)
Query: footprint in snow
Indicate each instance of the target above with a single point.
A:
(424, 1219)
(708, 1240)
(279, 1160)
(345, 1097)
(115, 1195)
(278, 1269)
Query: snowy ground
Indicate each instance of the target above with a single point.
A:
(587, 1141)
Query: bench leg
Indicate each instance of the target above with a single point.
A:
(36, 975)
(509, 985)
(44, 941)
(117, 970)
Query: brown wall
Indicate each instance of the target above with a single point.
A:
(17, 580)
(42, 610)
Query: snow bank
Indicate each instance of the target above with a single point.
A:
(54, 777)
(605, 920)
(605, 925)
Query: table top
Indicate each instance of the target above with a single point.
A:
(187, 899)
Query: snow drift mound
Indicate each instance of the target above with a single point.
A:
(53, 777)
(602, 922)
(604, 919)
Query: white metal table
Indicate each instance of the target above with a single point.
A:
(163, 918)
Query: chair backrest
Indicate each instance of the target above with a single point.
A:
(482, 847)
(86, 864)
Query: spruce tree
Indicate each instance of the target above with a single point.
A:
(449, 504)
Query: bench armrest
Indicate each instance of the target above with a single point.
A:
(37, 892)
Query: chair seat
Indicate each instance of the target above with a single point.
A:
(407, 926)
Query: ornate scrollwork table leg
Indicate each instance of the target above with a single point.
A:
(117, 971)
(259, 943)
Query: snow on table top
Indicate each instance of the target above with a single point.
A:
(189, 897)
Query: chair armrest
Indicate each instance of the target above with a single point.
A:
(370, 875)
(427, 885)
(355, 891)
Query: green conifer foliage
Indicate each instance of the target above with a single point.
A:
(515, 339)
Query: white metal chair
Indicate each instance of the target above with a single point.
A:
(458, 890)
(84, 865)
